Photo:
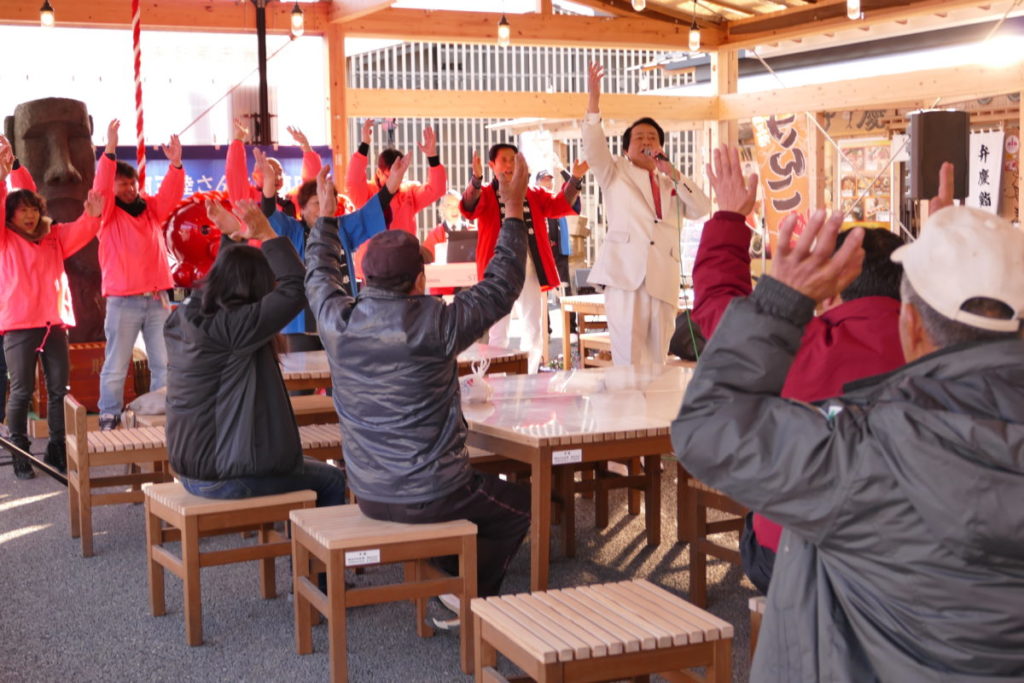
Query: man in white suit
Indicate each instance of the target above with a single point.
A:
(645, 199)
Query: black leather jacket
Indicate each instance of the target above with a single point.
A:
(228, 413)
(394, 367)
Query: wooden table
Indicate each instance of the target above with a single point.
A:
(310, 369)
(578, 416)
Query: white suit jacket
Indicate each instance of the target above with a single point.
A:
(638, 249)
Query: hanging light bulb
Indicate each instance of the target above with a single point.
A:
(639, 5)
(298, 21)
(694, 43)
(504, 32)
(853, 9)
(46, 15)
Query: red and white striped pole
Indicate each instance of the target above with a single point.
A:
(140, 154)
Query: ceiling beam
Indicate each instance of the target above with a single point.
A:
(915, 89)
(624, 8)
(223, 16)
(527, 29)
(830, 16)
(370, 102)
(347, 10)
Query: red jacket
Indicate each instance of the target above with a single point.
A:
(543, 205)
(410, 199)
(36, 286)
(133, 251)
(236, 175)
(856, 339)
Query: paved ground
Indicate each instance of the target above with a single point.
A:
(64, 617)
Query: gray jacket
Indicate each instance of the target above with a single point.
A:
(394, 368)
(902, 557)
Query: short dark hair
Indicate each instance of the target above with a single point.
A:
(387, 158)
(241, 275)
(20, 198)
(945, 332)
(126, 170)
(879, 275)
(307, 190)
(628, 133)
(492, 153)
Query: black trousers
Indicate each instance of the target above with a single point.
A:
(500, 510)
(3, 381)
(20, 350)
(758, 561)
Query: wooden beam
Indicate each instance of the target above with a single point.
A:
(347, 10)
(369, 102)
(337, 89)
(182, 15)
(527, 29)
(730, 7)
(830, 15)
(624, 8)
(916, 89)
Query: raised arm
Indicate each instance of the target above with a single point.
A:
(311, 162)
(471, 195)
(595, 147)
(722, 269)
(236, 171)
(6, 164)
(76, 234)
(173, 185)
(106, 167)
(437, 176)
(355, 176)
(477, 308)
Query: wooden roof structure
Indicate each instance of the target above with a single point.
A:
(773, 26)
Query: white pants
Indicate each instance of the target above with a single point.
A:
(639, 325)
(528, 309)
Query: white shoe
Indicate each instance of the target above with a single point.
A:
(451, 601)
(446, 624)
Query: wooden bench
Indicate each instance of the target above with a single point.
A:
(695, 499)
(313, 409)
(598, 342)
(88, 450)
(174, 514)
(341, 536)
(757, 607)
(599, 633)
(322, 442)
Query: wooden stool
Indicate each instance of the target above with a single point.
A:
(321, 441)
(313, 409)
(599, 633)
(189, 518)
(757, 606)
(88, 450)
(698, 499)
(341, 536)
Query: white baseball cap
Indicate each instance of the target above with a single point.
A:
(964, 253)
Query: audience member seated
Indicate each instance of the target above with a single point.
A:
(230, 428)
(856, 335)
(393, 356)
(900, 557)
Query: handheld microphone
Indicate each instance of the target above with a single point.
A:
(660, 156)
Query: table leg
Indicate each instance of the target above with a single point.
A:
(652, 498)
(540, 522)
(566, 342)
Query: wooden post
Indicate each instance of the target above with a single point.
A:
(816, 149)
(1020, 155)
(724, 75)
(337, 70)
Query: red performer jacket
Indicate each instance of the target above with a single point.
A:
(133, 251)
(236, 176)
(411, 198)
(543, 205)
(856, 339)
(32, 270)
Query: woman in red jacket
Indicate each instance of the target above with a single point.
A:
(36, 310)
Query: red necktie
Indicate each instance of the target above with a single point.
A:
(656, 191)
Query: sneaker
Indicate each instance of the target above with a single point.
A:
(109, 422)
(451, 601)
(446, 624)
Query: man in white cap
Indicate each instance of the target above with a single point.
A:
(902, 557)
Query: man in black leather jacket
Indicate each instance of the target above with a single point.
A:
(393, 356)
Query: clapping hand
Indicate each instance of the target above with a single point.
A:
(325, 192)
(734, 192)
(812, 266)
(398, 169)
(94, 204)
(224, 219)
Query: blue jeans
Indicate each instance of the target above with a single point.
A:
(328, 482)
(126, 317)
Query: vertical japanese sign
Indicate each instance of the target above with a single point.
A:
(986, 171)
(782, 159)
